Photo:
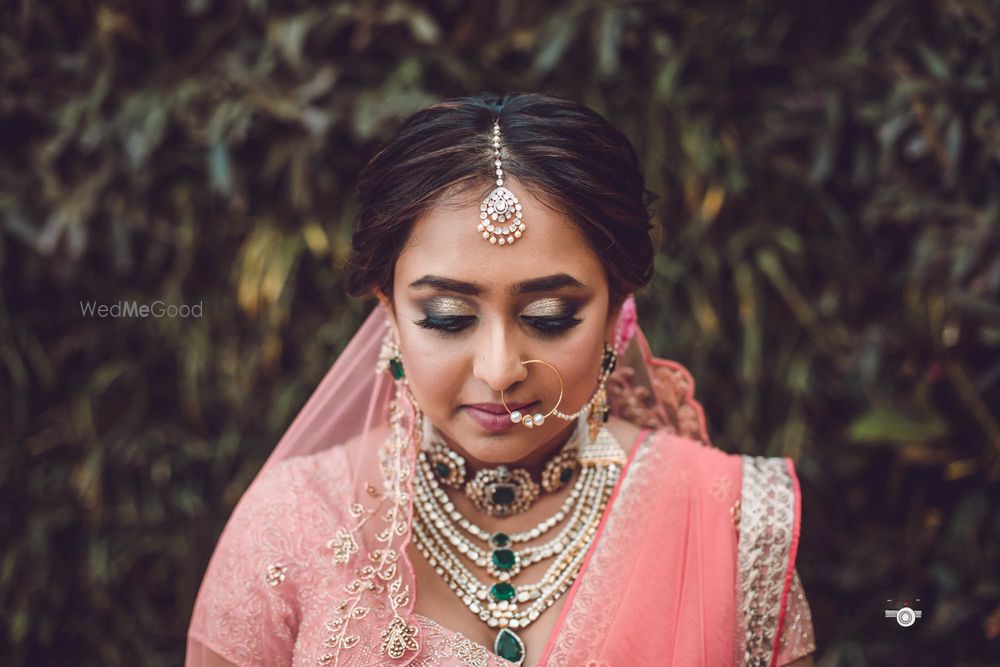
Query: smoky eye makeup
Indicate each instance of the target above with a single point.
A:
(551, 316)
(547, 316)
(445, 315)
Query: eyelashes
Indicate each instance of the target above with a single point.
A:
(551, 325)
(450, 324)
(545, 326)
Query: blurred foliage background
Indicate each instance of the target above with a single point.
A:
(829, 271)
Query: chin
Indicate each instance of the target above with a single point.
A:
(497, 454)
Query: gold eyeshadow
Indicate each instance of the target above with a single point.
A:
(549, 307)
(447, 308)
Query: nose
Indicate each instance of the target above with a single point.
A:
(498, 364)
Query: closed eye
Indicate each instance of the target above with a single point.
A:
(546, 326)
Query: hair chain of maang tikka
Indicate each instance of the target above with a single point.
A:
(501, 221)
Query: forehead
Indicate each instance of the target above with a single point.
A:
(445, 242)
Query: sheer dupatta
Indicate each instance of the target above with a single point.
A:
(695, 561)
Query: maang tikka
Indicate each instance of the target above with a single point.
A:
(501, 221)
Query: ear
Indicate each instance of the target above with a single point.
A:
(390, 311)
(609, 329)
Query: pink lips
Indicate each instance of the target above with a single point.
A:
(493, 416)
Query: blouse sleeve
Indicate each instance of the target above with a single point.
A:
(246, 612)
(796, 638)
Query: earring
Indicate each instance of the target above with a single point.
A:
(599, 411)
(389, 356)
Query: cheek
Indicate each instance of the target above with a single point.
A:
(578, 361)
(435, 370)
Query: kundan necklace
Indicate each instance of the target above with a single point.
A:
(463, 554)
(502, 490)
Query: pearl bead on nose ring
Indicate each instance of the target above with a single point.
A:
(537, 419)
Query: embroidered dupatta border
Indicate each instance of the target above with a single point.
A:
(768, 525)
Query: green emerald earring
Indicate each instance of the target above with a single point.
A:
(389, 357)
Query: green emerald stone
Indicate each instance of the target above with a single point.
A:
(502, 591)
(500, 539)
(566, 475)
(509, 646)
(503, 495)
(504, 559)
(396, 368)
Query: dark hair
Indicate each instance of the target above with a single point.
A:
(563, 152)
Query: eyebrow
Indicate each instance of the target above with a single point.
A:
(544, 284)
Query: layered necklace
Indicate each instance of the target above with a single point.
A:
(480, 567)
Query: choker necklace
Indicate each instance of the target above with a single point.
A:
(462, 552)
(503, 490)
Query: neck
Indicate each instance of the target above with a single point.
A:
(534, 462)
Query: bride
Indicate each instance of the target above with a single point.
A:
(497, 470)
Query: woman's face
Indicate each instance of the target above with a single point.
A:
(467, 313)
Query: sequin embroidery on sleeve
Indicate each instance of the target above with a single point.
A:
(797, 639)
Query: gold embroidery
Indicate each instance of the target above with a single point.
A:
(767, 515)
(674, 388)
(469, 652)
(663, 399)
(275, 573)
(797, 638)
(398, 638)
(343, 546)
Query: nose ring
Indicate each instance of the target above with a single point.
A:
(537, 419)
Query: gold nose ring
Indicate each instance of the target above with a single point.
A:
(537, 419)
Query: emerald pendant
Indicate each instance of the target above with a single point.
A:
(396, 368)
(509, 646)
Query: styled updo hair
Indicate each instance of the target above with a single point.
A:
(564, 153)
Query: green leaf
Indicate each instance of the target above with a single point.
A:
(884, 424)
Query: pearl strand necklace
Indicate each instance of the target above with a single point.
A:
(438, 526)
(503, 610)
(523, 557)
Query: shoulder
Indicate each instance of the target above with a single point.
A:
(672, 467)
(264, 563)
(718, 472)
(770, 498)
